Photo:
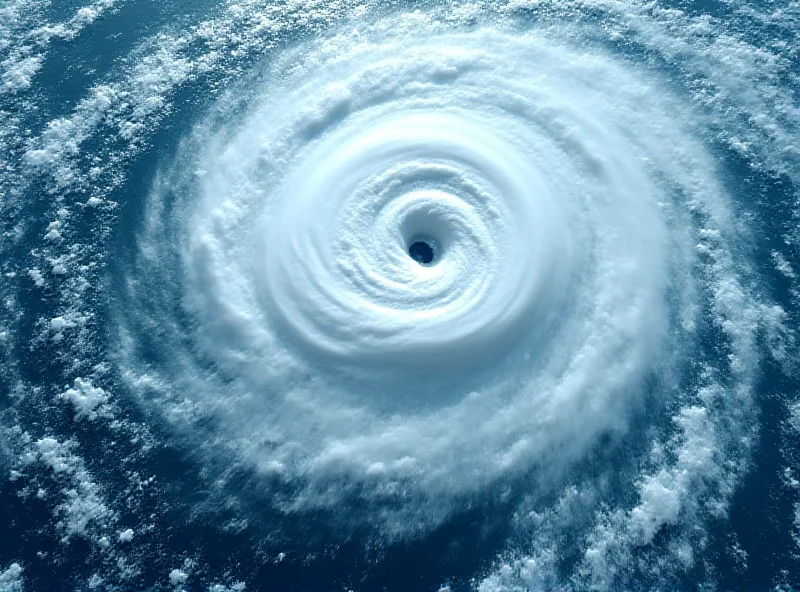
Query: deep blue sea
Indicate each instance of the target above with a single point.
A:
(363, 295)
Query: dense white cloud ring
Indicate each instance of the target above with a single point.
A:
(552, 185)
(337, 263)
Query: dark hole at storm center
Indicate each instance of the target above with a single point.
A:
(422, 252)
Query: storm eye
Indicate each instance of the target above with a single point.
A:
(423, 251)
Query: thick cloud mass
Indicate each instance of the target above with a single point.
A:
(557, 187)
(216, 327)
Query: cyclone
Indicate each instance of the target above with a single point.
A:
(502, 292)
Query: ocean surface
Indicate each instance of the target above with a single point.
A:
(361, 295)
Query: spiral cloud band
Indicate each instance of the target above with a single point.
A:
(332, 282)
(530, 333)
